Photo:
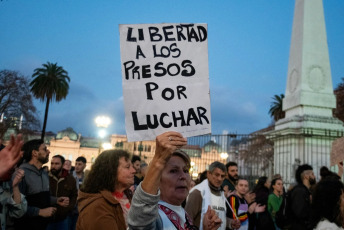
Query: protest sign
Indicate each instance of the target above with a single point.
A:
(165, 79)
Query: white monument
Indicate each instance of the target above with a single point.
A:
(306, 133)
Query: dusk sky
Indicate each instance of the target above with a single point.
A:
(248, 44)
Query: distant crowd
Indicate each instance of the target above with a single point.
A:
(122, 192)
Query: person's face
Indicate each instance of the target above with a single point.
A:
(79, 166)
(136, 165)
(267, 183)
(278, 187)
(233, 172)
(42, 154)
(311, 177)
(56, 166)
(67, 165)
(125, 174)
(175, 181)
(216, 177)
(242, 187)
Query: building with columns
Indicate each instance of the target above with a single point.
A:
(71, 145)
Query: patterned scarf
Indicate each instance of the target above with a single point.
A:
(175, 219)
(124, 202)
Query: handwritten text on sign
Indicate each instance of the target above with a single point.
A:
(165, 79)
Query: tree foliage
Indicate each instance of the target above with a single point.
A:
(50, 83)
(339, 93)
(16, 101)
(276, 107)
(260, 151)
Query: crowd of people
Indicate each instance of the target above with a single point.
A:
(122, 192)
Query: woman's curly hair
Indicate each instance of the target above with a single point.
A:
(326, 202)
(103, 174)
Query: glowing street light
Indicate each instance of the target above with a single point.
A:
(223, 156)
(102, 121)
(102, 133)
(107, 146)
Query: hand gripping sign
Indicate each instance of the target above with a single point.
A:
(165, 79)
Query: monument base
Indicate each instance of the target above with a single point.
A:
(303, 140)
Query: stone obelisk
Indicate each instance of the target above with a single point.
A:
(309, 97)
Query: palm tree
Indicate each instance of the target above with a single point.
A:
(276, 107)
(50, 83)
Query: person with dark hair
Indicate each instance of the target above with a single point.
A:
(262, 220)
(301, 197)
(327, 209)
(157, 200)
(79, 176)
(67, 165)
(35, 187)
(231, 177)
(275, 199)
(325, 173)
(209, 192)
(62, 184)
(104, 197)
(136, 161)
(262, 190)
(202, 176)
(239, 209)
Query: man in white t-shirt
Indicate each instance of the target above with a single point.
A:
(210, 192)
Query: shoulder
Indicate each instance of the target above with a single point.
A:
(325, 224)
(298, 190)
(107, 196)
(195, 194)
(271, 196)
(26, 167)
(233, 198)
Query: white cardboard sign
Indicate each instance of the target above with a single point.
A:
(165, 79)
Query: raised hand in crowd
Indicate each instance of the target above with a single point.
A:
(228, 192)
(17, 178)
(210, 220)
(11, 154)
(166, 144)
(250, 197)
(256, 208)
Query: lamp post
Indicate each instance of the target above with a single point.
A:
(102, 123)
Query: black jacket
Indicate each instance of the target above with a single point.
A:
(300, 207)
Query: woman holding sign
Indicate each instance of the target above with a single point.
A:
(157, 200)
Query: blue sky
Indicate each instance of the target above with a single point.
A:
(248, 44)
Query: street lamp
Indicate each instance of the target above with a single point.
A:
(107, 146)
(102, 122)
(224, 156)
